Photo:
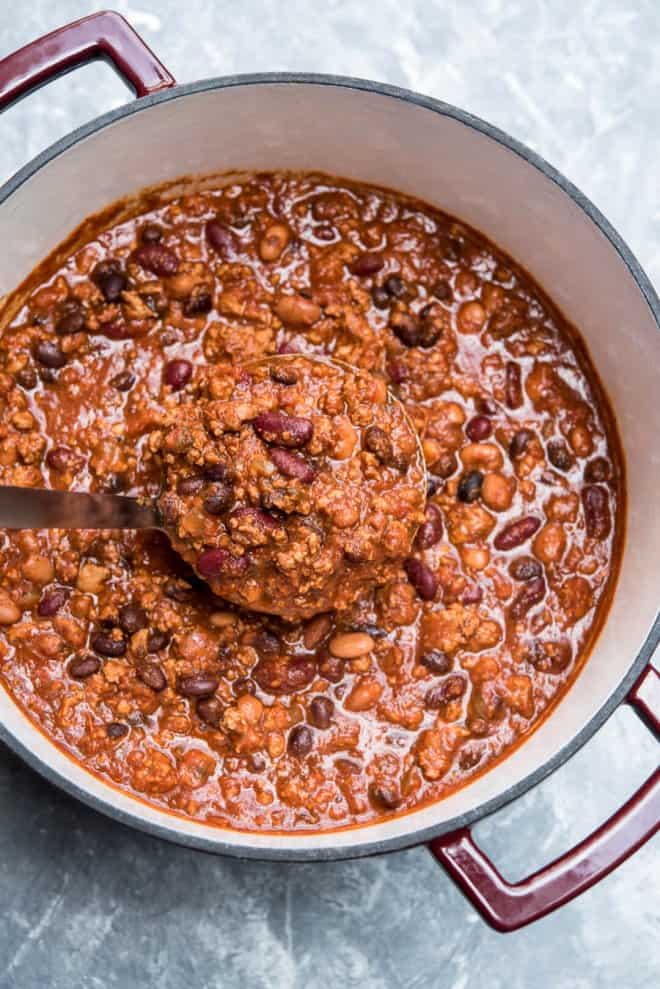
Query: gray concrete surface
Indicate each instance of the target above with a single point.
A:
(88, 904)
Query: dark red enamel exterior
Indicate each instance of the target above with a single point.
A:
(103, 35)
(510, 906)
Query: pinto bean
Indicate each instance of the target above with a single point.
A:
(481, 456)
(516, 533)
(364, 695)
(549, 543)
(350, 645)
(284, 430)
(273, 242)
(296, 310)
(497, 491)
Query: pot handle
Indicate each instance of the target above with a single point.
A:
(104, 35)
(509, 906)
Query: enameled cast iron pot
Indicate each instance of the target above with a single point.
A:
(390, 137)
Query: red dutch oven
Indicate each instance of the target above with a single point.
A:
(394, 138)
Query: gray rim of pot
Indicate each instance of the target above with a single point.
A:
(423, 835)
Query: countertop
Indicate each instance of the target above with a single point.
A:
(88, 904)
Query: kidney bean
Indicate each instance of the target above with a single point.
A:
(283, 430)
(199, 302)
(479, 428)
(516, 533)
(430, 531)
(123, 381)
(350, 645)
(525, 568)
(116, 730)
(217, 562)
(321, 711)
(116, 329)
(531, 593)
(209, 710)
(422, 578)
(177, 374)
(61, 458)
(197, 685)
(596, 511)
(84, 666)
(559, 455)
(436, 661)
(450, 689)
(513, 385)
(108, 645)
(273, 242)
(157, 258)
(597, 470)
(219, 498)
(50, 354)
(292, 464)
(383, 796)
(300, 741)
(220, 238)
(256, 518)
(132, 618)
(71, 321)
(469, 486)
(377, 441)
(52, 601)
(473, 594)
(367, 263)
(519, 443)
(296, 310)
(405, 328)
(152, 675)
(157, 640)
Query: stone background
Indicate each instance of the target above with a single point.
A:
(88, 904)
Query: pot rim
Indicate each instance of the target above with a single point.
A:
(507, 795)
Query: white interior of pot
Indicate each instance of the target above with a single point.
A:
(387, 141)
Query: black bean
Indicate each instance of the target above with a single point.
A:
(321, 711)
(113, 285)
(519, 443)
(210, 710)
(242, 686)
(157, 640)
(84, 666)
(405, 327)
(50, 354)
(27, 378)
(116, 730)
(199, 303)
(442, 291)
(219, 499)
(123, 381)
(187, 486)
(300, 741)
(153, 676)
(108, 645)
(422, 578)
(197, 685)
(469, 486)
(132, 618)
(559, 455)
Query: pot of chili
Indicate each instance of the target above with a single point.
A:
(401, 720)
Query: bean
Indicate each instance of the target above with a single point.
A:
(158, 259)
(497, 491)
(436, 661)
(350, 645)
(513, 385)
(300, 741)
(152, 675)
(550, 543)
(525, 568)
(486, 406)
(256, 519)
(132, 618)
(559, 455)
(321, 711)
(395, 287)
(197, 685)
(384, 797)
(531, 593)
(331, 667)
(364, 695)
(116, 730)
(473, 594)
(377, 441)
(84, 666)
(283, 430)
(405, 328)
(27, 378)
(430, 531)
(216, 562)
(157, 640)
(151, 233)
(283, 375)
(597, 470)
(187, 486)
(422, 578)
(479, 428)
(292, 464)
(219, 499)
(471, 317)
(519, 443)
(442, 291)
(450, 689)
(273, 242)
(52, 601)
(50, 354)
(177, 590)
(469, 486)
(199, 302)
(367, 263)
(596, 511)
(380, 297)
(113, 285)
(316, 630)
(209, 710)
(218, 472)
(71, 321)
(265, 642)
(242, 686)
(108, 645)
(516, 533)
(123, 381)
(220, 238)
(296, 310)
(177, 374)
